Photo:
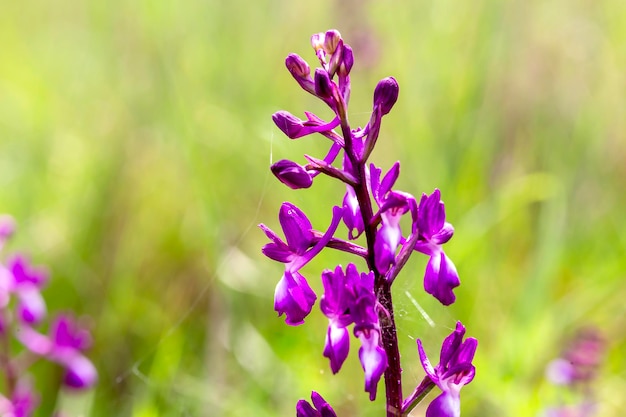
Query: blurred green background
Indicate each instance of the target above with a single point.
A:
(135, 142)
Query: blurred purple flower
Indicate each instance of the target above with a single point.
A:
(293, 296)
(26, 283)
(64, 346)
(320, 407)
(453, 371)
(441, 275)
(22, 403)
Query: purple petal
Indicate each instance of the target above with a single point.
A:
(440, 278)
(294, 298)
(445, 405)
(297, 228)
(443, 235)
(373, 360)
(320, 403)
(428, 368)
(280, 253)
(451, 344)
(304, 409)
(390, 178)
(337, 346)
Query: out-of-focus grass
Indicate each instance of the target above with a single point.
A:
(135, 140)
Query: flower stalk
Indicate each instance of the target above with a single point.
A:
(363, 299)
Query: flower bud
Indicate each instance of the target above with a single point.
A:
(300, 71)
(331, 41)
(297, 66)
(347, 60)
(386, 94)
(291, 174)
(288, 123)
(317, 41)
(323, 84)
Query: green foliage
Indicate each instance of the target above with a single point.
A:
(135, 142)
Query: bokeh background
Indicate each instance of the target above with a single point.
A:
(135, 142)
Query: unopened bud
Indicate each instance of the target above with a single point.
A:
(291, 174)
(288, 123)
(331, 40)
(297, 66)
(347, 60)
(323, 84)
(386, 94)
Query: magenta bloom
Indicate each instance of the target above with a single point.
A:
(393, 205)
(64, 346)
(293, 296)
(22, 403)
(349, 298)
(26, 283)
(441, 276)
(453, 371)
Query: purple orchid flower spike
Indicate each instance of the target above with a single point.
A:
(441, 276)
(454, 370)
(64, 346)
(26, 284)
(293, 296)
(320, 407)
